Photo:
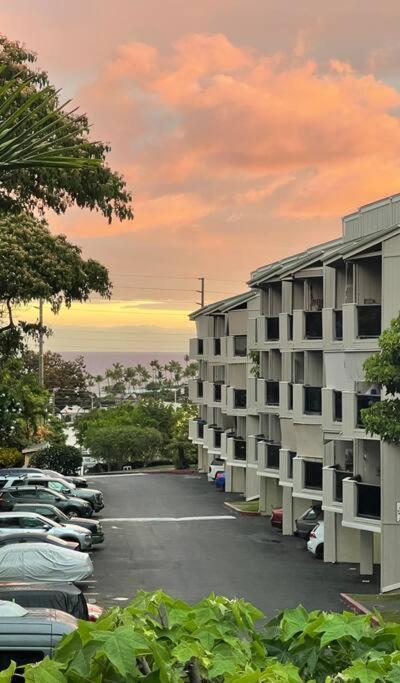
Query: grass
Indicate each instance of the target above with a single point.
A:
(247, 505)
(387, 605)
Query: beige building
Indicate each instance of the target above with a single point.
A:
(281, 389)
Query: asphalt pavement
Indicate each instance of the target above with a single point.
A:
(173, 532)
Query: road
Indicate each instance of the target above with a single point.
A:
(148, 545)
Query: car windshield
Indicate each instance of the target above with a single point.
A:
(45, 520)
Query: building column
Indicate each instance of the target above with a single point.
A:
(366, 553)
(329, 536)
(390, 517)
(287, 504)
(228, 478)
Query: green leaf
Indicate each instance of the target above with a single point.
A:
(364, 672)
(46, 671)
(184, 651)
(121, 648)
(7, 674)
(293, 621)
(339, 626)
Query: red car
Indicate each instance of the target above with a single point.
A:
(277, 517)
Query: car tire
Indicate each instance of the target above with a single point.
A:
(319, 551)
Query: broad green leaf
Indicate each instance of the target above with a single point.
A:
(7, 674)
(119, 649)
(46, 671)
(338, 626)
(186, 650)
(293, 621)
(364, 672)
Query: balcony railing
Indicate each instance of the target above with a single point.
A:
(368, 500)
(339, 476)
(239, 398)
(272, 328)
(338, 324)
(337, 406)
(313, 324)
(240, 345)
(365, 401)
(272, 456)
(272, 394)
(217, 346)
(239, 449)
(369, 320)
(217, 392)
(313, 475)
(312, 400)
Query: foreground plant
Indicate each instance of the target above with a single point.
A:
(162, 640)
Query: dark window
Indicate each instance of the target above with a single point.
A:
(217, 438)
(272, 329)
(272, 457)
(20, 657)
(290, 396)
(312, 400)
(240, 345)
(364, 401)
(338, 322)
(9, 523)
(44, 495)
(368, 500)
(369, 320)
(217, 346)
(30, 523)
(339, 476)
(217, 392)
(200, 390)
(337, 406)
(200, 429)
(239, 398)
(312, 475)
(313, 326)
(290, 327)
(292, 455)
(272, 393)
(240, 449)
(200, 347)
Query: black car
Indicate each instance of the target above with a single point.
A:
(61, 596)
(39, 494)
(26, 536)
(307, 521)
(92, 496)
(51, 512)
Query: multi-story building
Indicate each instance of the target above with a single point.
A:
(290, 385)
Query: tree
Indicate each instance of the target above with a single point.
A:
(118, 446)
(38, 265)
(184, 452)
(68, 378)
(23, 189)
(383, 367)
(130, 376)
(11, 457)
(64, 459)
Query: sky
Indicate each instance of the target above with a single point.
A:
(245, 130)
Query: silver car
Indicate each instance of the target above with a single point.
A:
(10, 522)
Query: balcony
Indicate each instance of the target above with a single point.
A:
(368, 320)
(333, 479)
(338, 476)
(364, 401)
(213, 438)
(196, 430)
(239, 448)
(368, 500)
(313, 325)
(239, 398)
(338, 324)
(272, 393)
(253, 442)
(312, 400)
(240, 346)
(272, 328)
(307, 478)
(196, 390)
(272, 456)
(313, 475)
(217, 392)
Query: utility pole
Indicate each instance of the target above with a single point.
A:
(201, 291)
(41, 344)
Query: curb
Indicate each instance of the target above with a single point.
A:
(245, 513)
(356, 606)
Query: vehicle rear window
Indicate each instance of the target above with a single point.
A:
(20, 657)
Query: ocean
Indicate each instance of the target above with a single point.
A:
(97, 362)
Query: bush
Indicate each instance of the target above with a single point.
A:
(63, 459)
(162, 640)
(11, 457)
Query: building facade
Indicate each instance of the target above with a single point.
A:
(281, 388)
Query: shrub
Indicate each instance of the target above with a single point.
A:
(11, 457)
(63, 459)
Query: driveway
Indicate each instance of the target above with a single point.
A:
(173, 532)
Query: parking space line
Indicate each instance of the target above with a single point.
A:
(205, 518)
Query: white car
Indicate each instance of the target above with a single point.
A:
(17, 520)
(43, 562)
(217, 465)
(315, 543)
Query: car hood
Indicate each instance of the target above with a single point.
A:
(91, 524)
(75, 527)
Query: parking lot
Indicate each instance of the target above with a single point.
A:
(173, 532)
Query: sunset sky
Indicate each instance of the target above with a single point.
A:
(245, 129)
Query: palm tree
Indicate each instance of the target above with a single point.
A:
(130, 376)
(143, 374)
(156, 368)
(30, 138)
(99, 379)
(176, 371)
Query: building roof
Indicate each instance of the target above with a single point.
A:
(224, 305)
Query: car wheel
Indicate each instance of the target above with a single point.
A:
(319, 552)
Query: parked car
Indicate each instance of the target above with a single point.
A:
(28, 471)
(51, 512)
(277, 517)
(92, 496)
(25, 536)
(62, 596)
(32, 522)
(307, 521)
(217, 465)
(315, 543)
(220, 481)
(39, 494)
(29, 635)
(43, 562)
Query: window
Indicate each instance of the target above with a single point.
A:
(337, 406)
(56, 486)
(44, 495)
(31, 523)
(9, 523)
(240, 345)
